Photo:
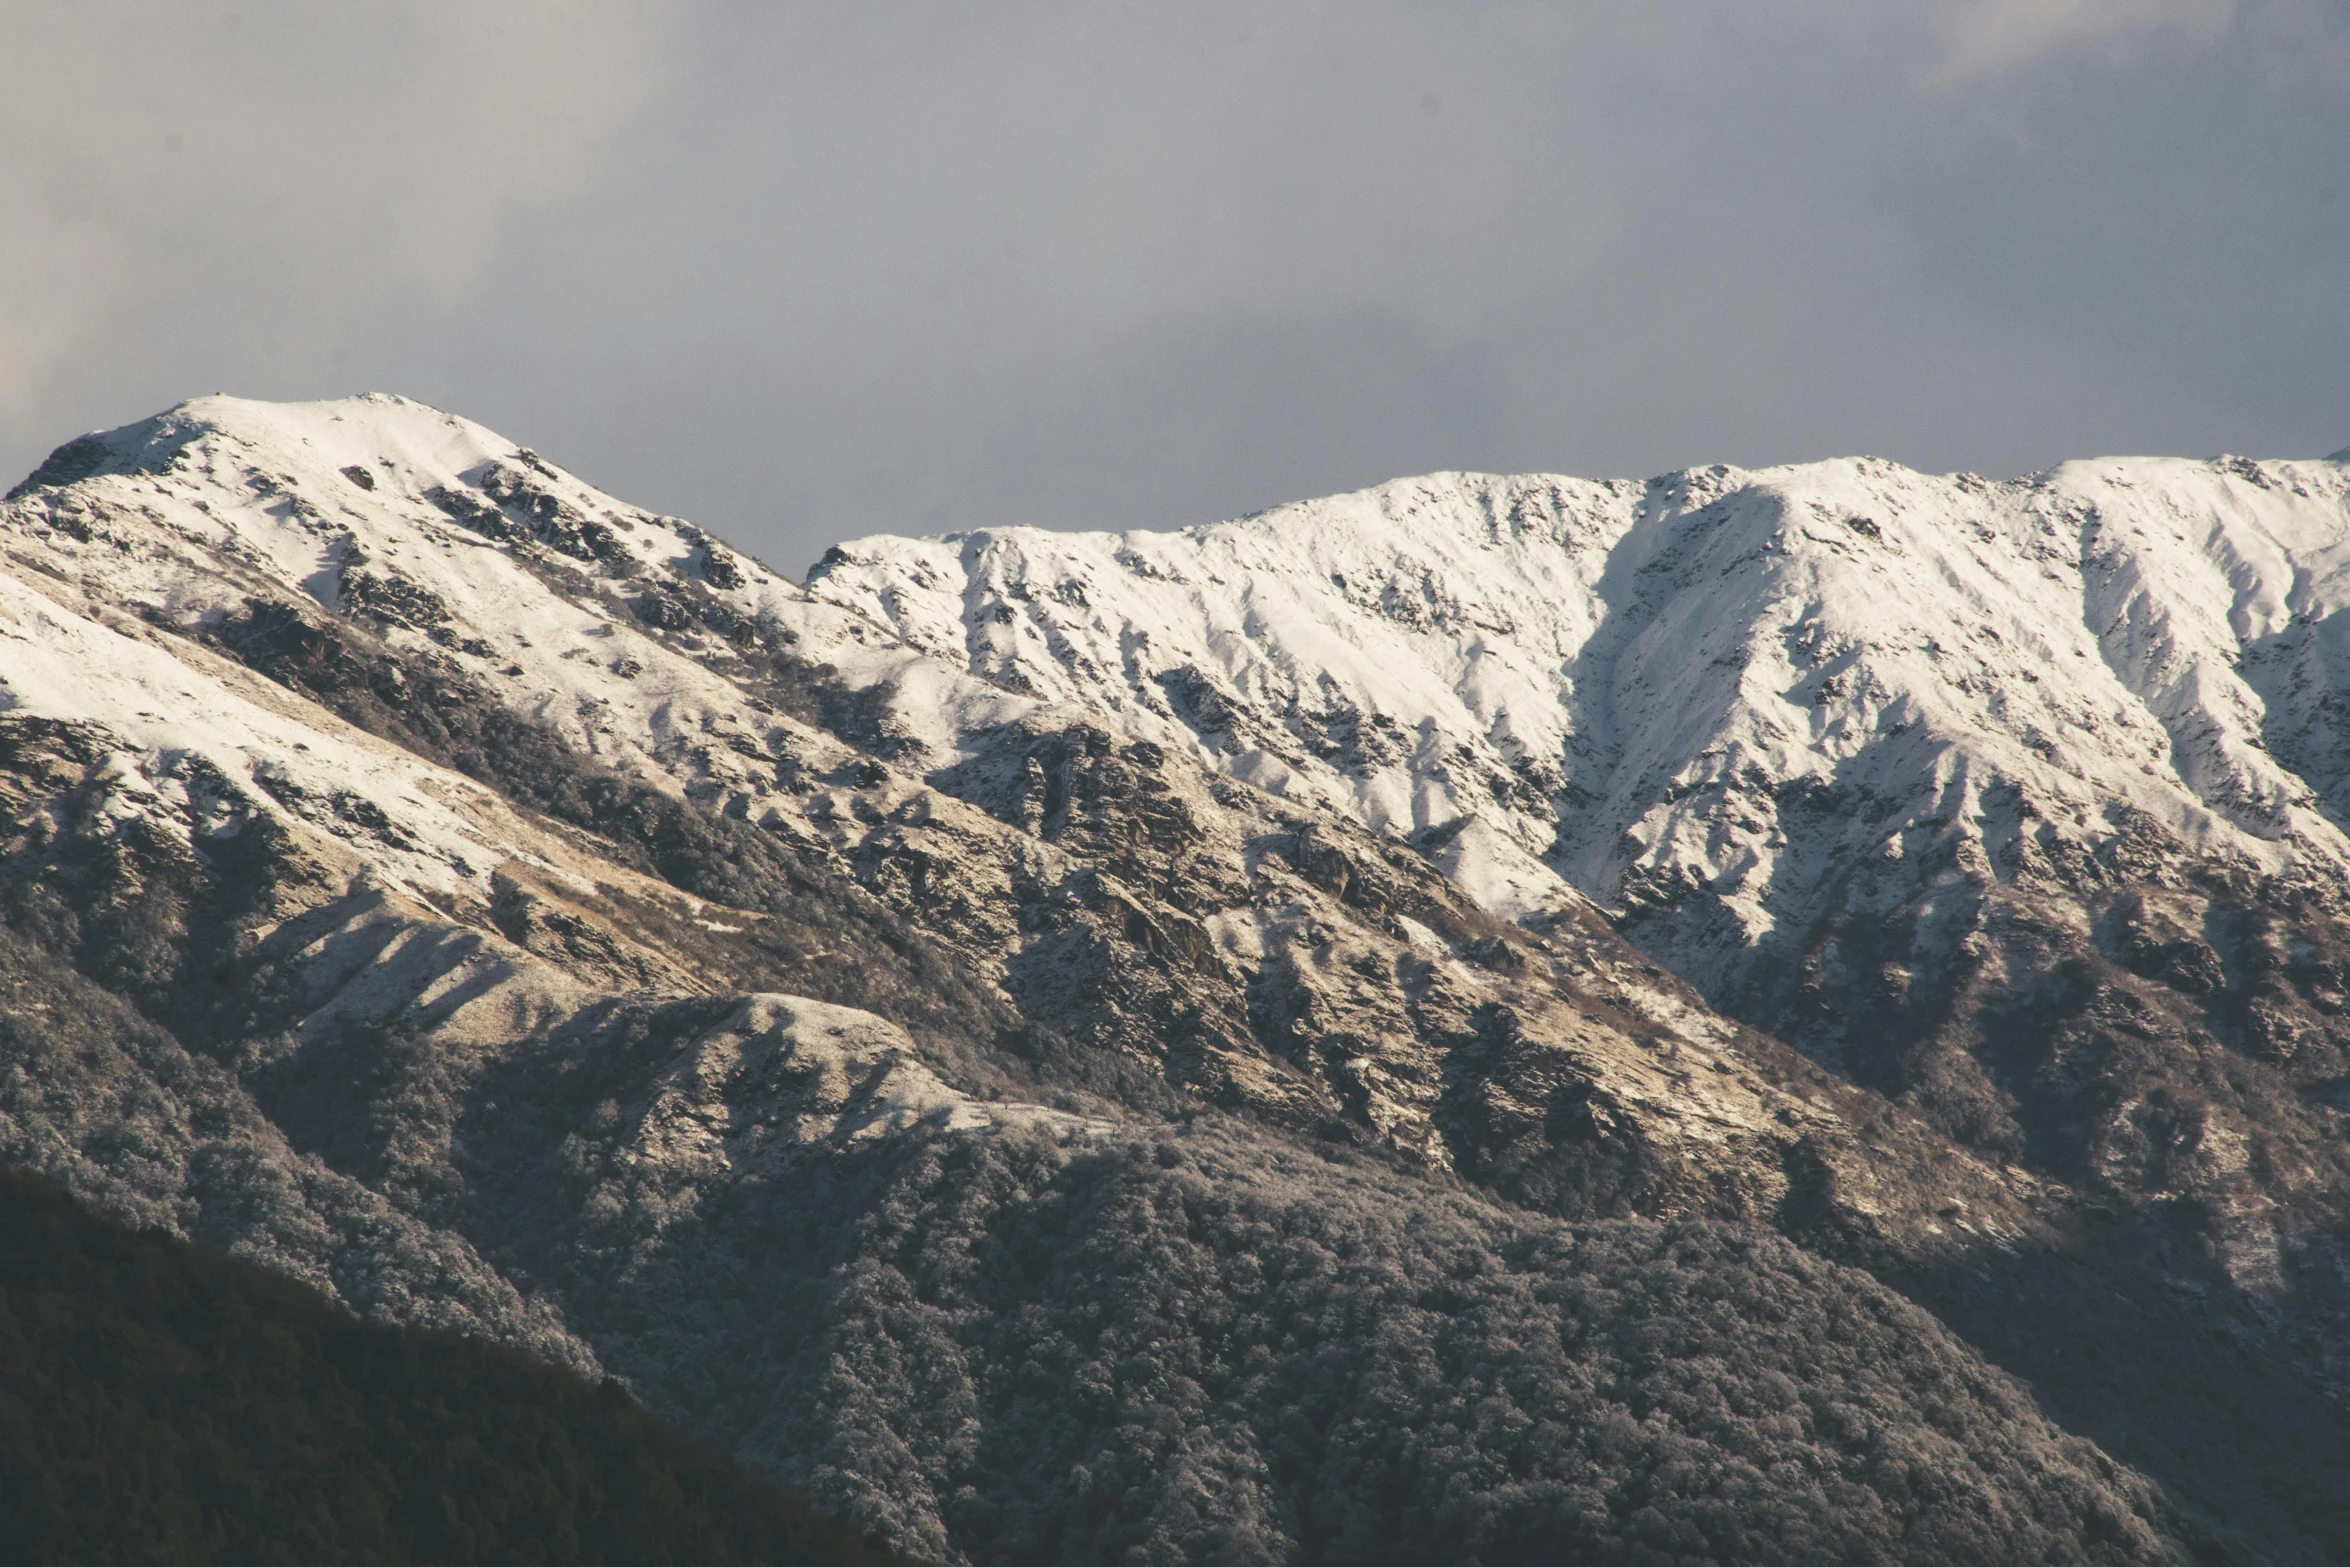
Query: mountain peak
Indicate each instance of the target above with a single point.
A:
(367, 430)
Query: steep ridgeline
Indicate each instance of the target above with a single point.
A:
(997, 1081)
(2021, 803)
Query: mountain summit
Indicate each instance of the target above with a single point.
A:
(1513, 1016)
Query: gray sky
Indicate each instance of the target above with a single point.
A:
(803, 272)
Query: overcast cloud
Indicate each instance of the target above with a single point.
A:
(803, 272)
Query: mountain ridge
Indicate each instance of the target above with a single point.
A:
(486, 857)
(1739, 710)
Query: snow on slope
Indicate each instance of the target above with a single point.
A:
(197, 737)
(1761, 692)
(485, 556)
(1745, 699)
(1399, 654)
(166, 527)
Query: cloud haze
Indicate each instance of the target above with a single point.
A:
(802, 272)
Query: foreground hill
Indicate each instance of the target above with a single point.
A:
(1036, 1125)
(161, 1404)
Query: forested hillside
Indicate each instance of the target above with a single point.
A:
(162, 1404)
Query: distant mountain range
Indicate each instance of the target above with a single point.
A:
(1758, 1016)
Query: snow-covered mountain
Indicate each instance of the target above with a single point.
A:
(645, 646)
(507, 907)
(1866, 754)
(1763, 690)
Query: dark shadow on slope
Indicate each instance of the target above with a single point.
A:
(2303, 676)
(2118, 1053)
(2080, 1013)
(150, 446)
(164, 1404)
(2135, 1338)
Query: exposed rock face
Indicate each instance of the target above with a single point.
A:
(1146, 979)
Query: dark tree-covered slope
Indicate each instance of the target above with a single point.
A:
(164, 1404)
